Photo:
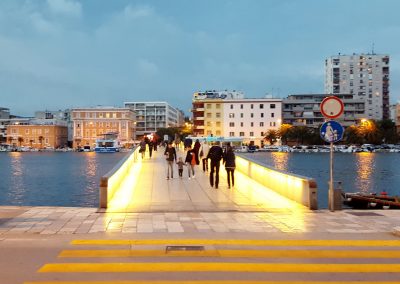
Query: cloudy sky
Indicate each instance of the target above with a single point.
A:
(57, 54)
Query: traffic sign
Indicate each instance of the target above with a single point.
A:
(332, 107)
(331, 131)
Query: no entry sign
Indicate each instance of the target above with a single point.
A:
(332, 107)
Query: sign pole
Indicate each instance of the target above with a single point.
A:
(331, 191)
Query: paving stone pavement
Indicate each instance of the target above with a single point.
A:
(67, 220)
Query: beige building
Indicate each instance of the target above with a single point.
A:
(229, 114)
(90, 124)
(37, 136)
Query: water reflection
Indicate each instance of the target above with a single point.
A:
(91, 164)
(280, 160)
(17, 175)
(365, 166)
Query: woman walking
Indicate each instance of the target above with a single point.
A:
(230, 165)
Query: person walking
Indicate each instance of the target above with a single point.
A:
(196, 149)
(230, 165)
(203, 155)
(215, 155)
(180, 166)
(191, 161)
(170, 154)
(142, 149)
(150, 148)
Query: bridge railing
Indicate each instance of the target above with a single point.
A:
(111, 181)
(294, 187)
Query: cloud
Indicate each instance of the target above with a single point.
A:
(40, 24)
(65, 7)
(137, 12)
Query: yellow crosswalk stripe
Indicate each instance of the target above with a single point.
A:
(212, 282)
(220, 267)
(236, 253)
(331, 243)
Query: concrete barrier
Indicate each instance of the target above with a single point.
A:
(111, 181)
(294, 187)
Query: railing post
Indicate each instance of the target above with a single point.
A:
(103, 192)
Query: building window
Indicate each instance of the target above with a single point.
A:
(208, 132)
(231, 115)
(262, 134)
(231, 134)
(262, 114)
(241, 134)
(272, 106)
(208, 106)
(218, 115)
(261, 106)
(251, 106)
(26, 131)
(231, 106)
(208, 124)
(231, 124)
(241, 124)
(241, 115)
(241, 106)
(261, 124)
(251, 124)
(272, 124)
(272, 114)
(46, 131)
(251, 115)
(251, 133)
(208, 114)
(218, 133)
(218, 106)
(218, 124)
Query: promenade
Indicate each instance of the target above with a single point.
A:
(184, 231)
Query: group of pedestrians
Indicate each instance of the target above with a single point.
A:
(215, 154)
(147, 143)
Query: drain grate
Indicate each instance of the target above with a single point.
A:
(364, 214)
(184, 248)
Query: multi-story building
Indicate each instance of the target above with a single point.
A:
(229, 114)
(7, 119)
(37, 136)
(59, 117)
(90, 124)
(151, 116)
(304, 110)
(366, 76)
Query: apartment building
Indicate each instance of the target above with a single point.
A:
(230, 114)
(90, 124)
(366, 76)
(151, 116)
(37, 136)
(304, 110)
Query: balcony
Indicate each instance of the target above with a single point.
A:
(198, 109)
(198, 127)
(199, 118)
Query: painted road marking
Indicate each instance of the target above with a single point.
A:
(220, 267)
(213, 282)
(236, 253)
(331, 243)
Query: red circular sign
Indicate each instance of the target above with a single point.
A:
(332, 107)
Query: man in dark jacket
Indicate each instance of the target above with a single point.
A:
(170, 154)
(229, 161)
(215, 155)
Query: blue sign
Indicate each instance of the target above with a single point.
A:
(331, 131)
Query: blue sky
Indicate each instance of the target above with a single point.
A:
(58, 54)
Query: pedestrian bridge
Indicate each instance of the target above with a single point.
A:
(140, 185)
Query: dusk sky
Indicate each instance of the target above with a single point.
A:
(58, 54)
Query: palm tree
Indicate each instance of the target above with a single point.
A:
(41, 141)
(283, 132)
(20, 140)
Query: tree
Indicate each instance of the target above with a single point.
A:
(388, 130)
(271, 136)
(41, 141)
(283, 132)
(352, 135)
(299, 133)
(20, 140)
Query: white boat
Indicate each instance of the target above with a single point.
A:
(107, 146)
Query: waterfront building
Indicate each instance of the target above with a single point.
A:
(304, 110)
(366, 76)
(58, 117)
(230, 114)
(7, 119)
(90, 124)
(151, 116)
(37, 136)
